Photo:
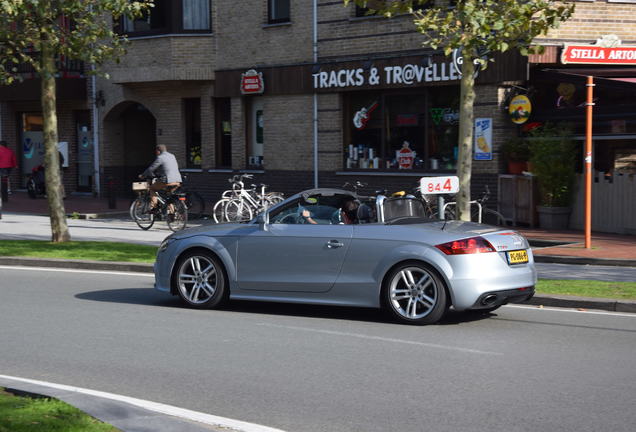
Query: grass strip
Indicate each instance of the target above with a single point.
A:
(25, 414)
(588, 288)
(82, 250)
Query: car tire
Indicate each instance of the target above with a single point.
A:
(413, 293)
(199, 280)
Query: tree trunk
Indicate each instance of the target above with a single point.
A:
(465, 156)
(54, 191)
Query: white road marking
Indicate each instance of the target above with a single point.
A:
(383, 339)
(235, 425)
(557, 309)
(64, 270)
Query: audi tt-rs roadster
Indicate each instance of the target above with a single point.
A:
(333, 247)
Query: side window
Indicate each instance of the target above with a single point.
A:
(287, 215)
(278, 11)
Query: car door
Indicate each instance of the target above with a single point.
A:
(292, 257)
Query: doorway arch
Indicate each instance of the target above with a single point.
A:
(129, 140)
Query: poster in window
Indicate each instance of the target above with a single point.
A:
(483, 139)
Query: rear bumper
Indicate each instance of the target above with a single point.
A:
(497, 298)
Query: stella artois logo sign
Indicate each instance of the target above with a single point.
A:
(252, 82)
(606, 50)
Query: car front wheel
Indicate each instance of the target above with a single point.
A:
(414, 294)
(200, 280)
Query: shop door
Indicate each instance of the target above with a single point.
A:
(85, 155)
(32, 140)
(255, 151)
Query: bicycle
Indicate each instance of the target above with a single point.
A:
(479, 213)
(239, 203)
(170, 206)
(193, 201)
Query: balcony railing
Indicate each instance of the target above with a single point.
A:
(66, 68)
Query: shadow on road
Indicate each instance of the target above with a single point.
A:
(149, 297)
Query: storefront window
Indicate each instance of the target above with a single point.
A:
(402, 131)
(192, 116)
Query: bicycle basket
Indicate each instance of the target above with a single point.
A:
(139, 186)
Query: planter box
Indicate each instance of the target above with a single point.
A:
(554, 218)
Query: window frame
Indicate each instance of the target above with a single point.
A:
(173, 22)
(271, 19)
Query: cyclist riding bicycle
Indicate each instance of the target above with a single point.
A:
(166, 169)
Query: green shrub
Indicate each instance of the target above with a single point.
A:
(553, 158)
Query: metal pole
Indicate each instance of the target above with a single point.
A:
(588, 161)
(315, 96)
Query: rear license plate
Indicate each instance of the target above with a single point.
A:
(517, 257)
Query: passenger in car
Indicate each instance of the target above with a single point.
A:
(348, 213)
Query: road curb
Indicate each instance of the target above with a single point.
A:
(77, 264)
(573, 302)
(560, 259)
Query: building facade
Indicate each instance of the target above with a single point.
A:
(312, 93)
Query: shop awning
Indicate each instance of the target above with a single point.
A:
(616, 78)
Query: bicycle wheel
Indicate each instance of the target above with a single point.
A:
(237, 211)
(176, 214)
(275, 197)
(141, 213)
(195, 204)
(449, 213)
(218, 212)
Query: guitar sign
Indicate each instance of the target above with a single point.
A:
(361, 118)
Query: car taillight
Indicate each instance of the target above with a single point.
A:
(471, 245)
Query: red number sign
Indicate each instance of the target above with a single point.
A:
(439, 185)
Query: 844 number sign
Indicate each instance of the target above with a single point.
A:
(439, 185)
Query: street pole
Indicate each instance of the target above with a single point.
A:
(588, 161)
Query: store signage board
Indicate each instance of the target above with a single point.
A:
(252, 82)
(606, 50)
(439, 185)
(406, 75)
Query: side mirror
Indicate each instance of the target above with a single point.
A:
(263, 221)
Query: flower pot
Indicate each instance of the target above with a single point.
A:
(554, 218)
(515, 167)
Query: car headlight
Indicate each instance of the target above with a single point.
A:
(164, 244)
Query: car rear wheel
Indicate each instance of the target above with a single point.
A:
(414, 294)
(200, 280)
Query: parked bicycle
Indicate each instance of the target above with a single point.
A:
(193, 200)
(479, 211)
(238, 203)
(170, 206)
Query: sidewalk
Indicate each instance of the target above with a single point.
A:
(85, 205)
(565, 247)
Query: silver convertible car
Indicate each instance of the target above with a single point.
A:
(332, 247)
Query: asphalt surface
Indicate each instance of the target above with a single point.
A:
(586, 272)
(303, 368)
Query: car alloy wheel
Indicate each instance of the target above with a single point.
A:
(415, 294)
(200, 280)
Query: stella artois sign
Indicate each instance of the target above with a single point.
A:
(252, 82)
(606, 50)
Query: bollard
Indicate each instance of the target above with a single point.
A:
(110, 192)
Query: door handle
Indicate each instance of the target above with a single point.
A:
(332, 244)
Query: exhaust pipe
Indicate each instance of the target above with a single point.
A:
(489, 300)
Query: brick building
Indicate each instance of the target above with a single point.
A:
(341, 94)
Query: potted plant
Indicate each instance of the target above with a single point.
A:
(553, 156)
(516, 153)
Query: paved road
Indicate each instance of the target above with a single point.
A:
(590, 272)
(303, 368)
